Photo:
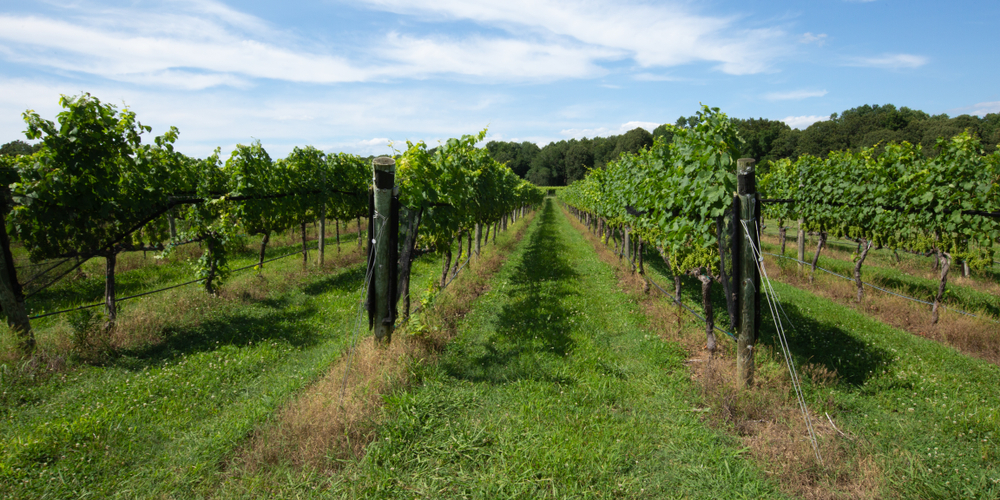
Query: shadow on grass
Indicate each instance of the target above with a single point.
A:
(533, 326)
(810, 341)
(825, 344)
(347, 281)
(914, 286)
(73, 290)
(270, 319)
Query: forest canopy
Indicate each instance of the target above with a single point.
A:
(560, 163)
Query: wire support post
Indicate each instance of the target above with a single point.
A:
(747, 208)
(383, 248)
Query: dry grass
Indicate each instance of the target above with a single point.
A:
(766, 419)
(972, 336)
(908, 266)
(146, 321)
(334, 419)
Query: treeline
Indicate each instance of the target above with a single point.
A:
(560, 163)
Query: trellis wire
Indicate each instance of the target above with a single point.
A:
(774, 304)
(361, 309)
(695, 314)
(200, 280)
(890, 292)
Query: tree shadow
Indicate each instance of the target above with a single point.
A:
(533, 327)
(349, 280)
(955, 297)
(271, 320)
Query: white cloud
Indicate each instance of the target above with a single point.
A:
(801, 122)
(492, 58)
(794, 95)
(653, 77)
(121, 55)
(979, 109)
(351, 120)
(652, 34)
(890, 61)
(818, 39)
(605, 131)
(191, 45)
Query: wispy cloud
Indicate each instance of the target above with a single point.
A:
(193, 45)
(794, 95)
(492, 58)
(662, 34)
(818, 39)
(653, 77)
(123, 55)
(352, 120)
(801, 122)
(890, 61)
(979, 109)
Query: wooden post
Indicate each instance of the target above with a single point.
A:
(322, 233)
(479, 238)
(801, 246)
(749, 292)
(384, 235)
(172, 224)
(11, 295)
(110, 259)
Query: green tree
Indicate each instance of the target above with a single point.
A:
(18, 147)
(633, 141)
(579, 160)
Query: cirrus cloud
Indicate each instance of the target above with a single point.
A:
(890, 61)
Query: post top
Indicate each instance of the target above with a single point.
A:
(745, 165)
(385, 163)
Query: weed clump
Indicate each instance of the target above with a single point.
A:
(90, 335)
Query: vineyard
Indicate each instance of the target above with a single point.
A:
(565, 342)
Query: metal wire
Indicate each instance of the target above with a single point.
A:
(695, 314)
(890, 292)
(88, 306)
(361, 311)
(773, 303)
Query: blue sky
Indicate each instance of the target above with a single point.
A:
(352, 76)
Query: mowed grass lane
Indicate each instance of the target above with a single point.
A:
(554, 388)
(161, 421)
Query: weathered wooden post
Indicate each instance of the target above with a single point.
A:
(322, 232)
(383, 249)
(748, 296)
(801, 245)
(11, 294)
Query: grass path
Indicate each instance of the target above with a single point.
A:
(554, 387)
(160, 420)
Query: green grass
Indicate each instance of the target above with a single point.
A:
(150, 273)
(555, 387)
(879, 268)
(162, 419)
(926, 413)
